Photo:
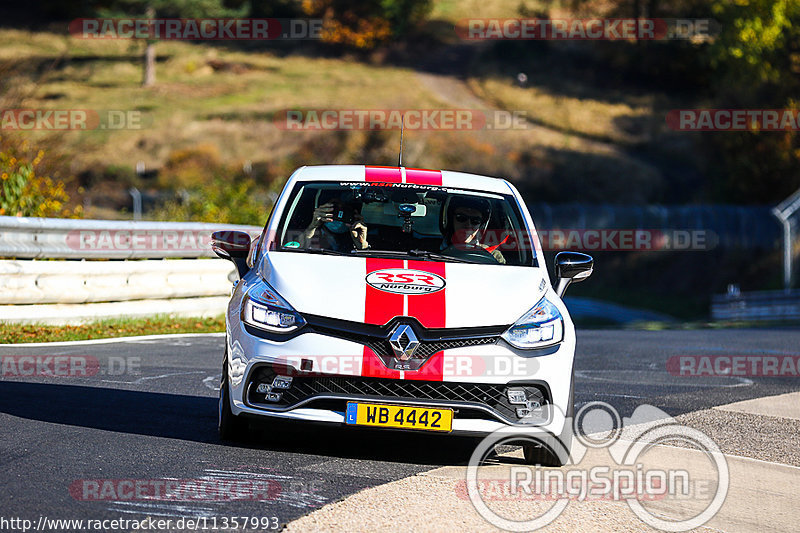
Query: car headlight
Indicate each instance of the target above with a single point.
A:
(541, 326)
(265, 309)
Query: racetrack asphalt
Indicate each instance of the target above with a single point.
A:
(149, 415)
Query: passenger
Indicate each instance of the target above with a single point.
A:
(329, 229)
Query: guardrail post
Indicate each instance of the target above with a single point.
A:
(137, 203)
(784, 212)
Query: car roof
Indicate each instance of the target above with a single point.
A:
(358, 173)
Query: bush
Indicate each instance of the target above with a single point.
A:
(211, 191)
(26, 194)
(190, 167)
(366, 24)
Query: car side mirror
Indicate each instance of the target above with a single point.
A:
(233, 246)
(572, 267)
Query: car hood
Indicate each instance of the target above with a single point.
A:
(373, 290)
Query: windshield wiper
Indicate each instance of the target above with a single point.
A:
(424, 254)
(323, 251)
(437, 257)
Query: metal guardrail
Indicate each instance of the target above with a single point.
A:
(761, 305)
(63, 292)
(55, 238)
(734, 226)
(78, 282)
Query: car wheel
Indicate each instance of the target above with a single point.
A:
(231, 427)
(555, 453)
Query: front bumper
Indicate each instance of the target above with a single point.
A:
(473, 381)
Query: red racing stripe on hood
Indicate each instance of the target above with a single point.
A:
(420, 176)
(379, 308)
(431, 311)
(383, 175)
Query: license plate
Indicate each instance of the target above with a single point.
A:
(399, 416)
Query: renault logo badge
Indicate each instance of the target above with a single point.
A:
(404, 342)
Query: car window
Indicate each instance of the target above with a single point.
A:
(358, 218)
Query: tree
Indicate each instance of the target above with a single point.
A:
(151, 9)
(756, 64)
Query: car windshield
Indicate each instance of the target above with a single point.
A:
(407, 221)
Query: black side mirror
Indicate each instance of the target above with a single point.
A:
(572, 267)
(233, 246)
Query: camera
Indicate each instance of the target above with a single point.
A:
(344, 212)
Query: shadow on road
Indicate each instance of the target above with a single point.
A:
(194, 418)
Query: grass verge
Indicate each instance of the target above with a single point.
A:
(103, 329)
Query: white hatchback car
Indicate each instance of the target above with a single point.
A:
(399, 298)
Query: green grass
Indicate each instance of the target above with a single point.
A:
(456, 10)
(177, 111)
(193, 104)
(157, 325)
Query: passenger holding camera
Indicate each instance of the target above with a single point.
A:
(335, 226)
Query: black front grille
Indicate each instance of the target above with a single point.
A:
(306, 387)
(425, 349)
(431, 340)
(395, 389)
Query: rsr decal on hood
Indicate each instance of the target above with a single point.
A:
(405, 281)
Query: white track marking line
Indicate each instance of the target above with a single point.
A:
(586, 374)
(212, 382)
(148, 378)
(617, 395)
(112, 340)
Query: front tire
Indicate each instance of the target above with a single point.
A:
(230, 426)
(557, 452)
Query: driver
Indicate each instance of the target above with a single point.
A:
(466, 219)
(327, 229)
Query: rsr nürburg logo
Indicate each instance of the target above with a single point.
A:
(405, 281)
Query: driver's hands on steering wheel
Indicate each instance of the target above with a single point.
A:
(473, 251)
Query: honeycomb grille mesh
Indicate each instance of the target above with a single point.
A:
(302, 388)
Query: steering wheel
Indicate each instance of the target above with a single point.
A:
(470, 252)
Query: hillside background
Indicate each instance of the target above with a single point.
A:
(595, 131)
